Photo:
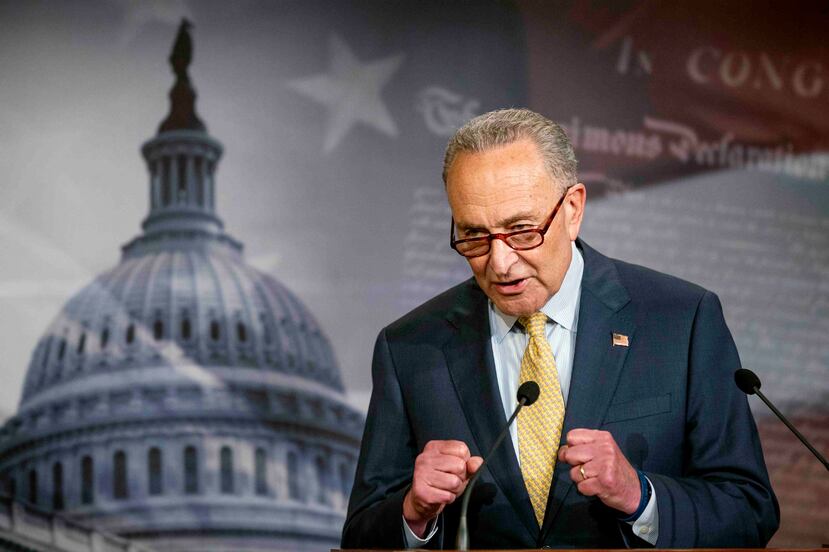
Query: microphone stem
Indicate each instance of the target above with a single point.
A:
(783, 419)
(463, 535)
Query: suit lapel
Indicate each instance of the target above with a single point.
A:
(472, 369)
(597, 363)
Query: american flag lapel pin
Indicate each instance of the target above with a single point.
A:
(620, 340)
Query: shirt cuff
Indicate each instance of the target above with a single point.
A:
(413, 541)
(646, 526)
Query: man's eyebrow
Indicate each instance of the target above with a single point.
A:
(509, 221)
(470, 228)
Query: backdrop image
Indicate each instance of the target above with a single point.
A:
(208, 210)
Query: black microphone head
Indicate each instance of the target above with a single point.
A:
(747, 381)
(528, 391)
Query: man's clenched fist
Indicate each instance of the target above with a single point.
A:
(441, 473)
(600, 469)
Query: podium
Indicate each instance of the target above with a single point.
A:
(617, 550)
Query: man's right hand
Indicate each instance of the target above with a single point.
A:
(441, 473)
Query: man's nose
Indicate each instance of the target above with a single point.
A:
(501, 257)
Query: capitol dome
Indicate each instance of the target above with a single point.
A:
(182, 300)
(184, 399)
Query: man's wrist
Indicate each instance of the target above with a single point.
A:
(411, 540)
(644, 498)
(416, 523)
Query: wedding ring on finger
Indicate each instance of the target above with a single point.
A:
(581, 471)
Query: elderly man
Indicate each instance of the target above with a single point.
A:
(639, 436)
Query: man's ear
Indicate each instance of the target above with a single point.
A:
(573, 206)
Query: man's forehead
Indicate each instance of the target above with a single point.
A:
(476, 180)
(471, 205)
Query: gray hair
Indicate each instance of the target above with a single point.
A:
(505, 126)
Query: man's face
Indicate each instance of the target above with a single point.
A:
(507, 189)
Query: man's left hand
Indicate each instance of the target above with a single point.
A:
(600, 469)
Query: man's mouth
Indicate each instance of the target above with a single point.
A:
(511, 287)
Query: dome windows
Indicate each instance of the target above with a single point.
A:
(120, 488)
(243, 334)
(215, 330)
(191, 470)
(181, 184)
(158, 330)
(57, 486)
(81, 344)
(154, 471)
(186, 329)
(226, 470)
(104, 337)
(62, 349)
(130, 336)
(261, 471)
(32, 496)
(87, 480)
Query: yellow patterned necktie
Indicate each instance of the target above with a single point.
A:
(539, 426)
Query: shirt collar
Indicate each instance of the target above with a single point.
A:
(561, 307)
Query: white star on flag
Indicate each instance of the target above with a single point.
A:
(351, 92)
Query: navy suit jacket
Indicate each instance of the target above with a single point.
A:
(668, 399)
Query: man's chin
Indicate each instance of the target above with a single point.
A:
(516, 305)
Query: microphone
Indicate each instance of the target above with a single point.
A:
(749, 383)
(527, 394)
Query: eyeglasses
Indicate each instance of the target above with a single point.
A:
(520, 240)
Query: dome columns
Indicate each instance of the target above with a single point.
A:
(298, 470)
(182, 165)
